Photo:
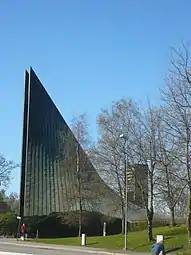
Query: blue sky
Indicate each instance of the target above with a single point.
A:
(87, 53)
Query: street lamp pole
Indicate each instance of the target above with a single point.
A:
(126, 210)
(79, 189)
(18, 228)
(126, 194)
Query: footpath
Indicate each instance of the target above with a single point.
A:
(76, 249)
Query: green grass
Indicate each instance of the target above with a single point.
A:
(175, 239)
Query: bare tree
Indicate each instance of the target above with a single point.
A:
(13, 202)
(177, 96)
(169, 188)
(181, 207)
(4, 207)
(146, 146)
(146, 151)
(107, 162)
(139, 149)
(82, 190)
(80, 129)
(112, 150)
(143, 148)
(6, 168)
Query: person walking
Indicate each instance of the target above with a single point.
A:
(158, 248)
(23, 229)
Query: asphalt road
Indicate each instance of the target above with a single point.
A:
(32, 250)
(13, 247)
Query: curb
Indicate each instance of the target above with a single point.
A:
(64, 248)
(12, 253)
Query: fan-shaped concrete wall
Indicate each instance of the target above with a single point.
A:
(50, 181)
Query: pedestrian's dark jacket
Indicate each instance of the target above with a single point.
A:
(157, 248)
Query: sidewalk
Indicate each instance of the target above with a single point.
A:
(71, 248)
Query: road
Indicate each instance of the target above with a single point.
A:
(28, 250)
(16, 250)
(13, 247)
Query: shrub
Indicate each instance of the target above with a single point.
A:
(114, 225)
(8, 223)
(66, 224)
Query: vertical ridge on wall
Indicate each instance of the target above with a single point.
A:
(24, 142)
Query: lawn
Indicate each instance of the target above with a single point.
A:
(175, 239)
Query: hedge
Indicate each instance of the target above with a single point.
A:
(66, 224)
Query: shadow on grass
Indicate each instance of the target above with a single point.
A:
(167, 251)
(175, 249)
(152, 242)
(142, 245)
(168, 237)
(92, 243)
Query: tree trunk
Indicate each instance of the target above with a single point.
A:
(150, 226)
(80, 218)
(80, 224)
(80, 212)
(189, 186)
(124, 194)
(189, 217)
(80, 206)
(173, 221)
(123, 223)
